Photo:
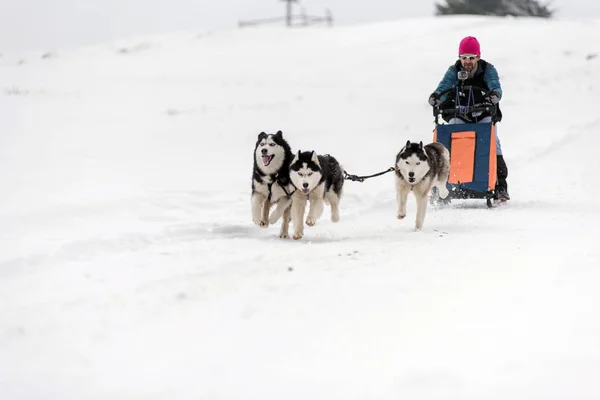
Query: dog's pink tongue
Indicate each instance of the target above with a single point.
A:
(266, 159)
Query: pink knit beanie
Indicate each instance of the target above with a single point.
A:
(469, 45)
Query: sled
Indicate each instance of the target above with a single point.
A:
(472, 146)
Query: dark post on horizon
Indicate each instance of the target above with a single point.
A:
(288, 11)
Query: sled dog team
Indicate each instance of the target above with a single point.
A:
(289, 181)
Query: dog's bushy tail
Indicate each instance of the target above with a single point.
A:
(336, 172)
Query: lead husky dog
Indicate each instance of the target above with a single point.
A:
(271, 181)
(418, 169)
(318, 179)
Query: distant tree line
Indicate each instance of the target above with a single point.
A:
(515, 8)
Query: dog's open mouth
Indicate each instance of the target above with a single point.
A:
(267, 159)
(411, 180)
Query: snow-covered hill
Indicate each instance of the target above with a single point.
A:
(130, 267)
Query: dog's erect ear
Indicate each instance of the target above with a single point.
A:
(296, 157)
(407, 144)
(420, 145)
(262, 136)
(279, 134)
(314, 158)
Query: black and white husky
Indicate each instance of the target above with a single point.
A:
(418, 169)
(318, 179)
(271, 181)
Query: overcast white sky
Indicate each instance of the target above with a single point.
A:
(50, 24)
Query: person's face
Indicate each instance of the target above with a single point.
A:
(468, 61)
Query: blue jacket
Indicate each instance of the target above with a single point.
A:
(485, 70)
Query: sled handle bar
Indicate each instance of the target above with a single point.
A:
(449, 111)
(491, 108)
(465, 88)
(473, 108)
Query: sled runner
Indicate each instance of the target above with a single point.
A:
(472, 145)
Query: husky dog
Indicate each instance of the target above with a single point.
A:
(318, 179)
(271, 181)
(418, 169)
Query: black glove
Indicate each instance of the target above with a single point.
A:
(434, 99)
(493, 97)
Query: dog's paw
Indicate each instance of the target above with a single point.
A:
(444, 193)
(401, 215)
(298, 235)
(261, 223)
(335, 217)
(284, 235)
(310, 221)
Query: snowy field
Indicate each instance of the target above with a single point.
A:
(130, 267)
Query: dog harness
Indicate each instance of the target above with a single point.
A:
(281, 183)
